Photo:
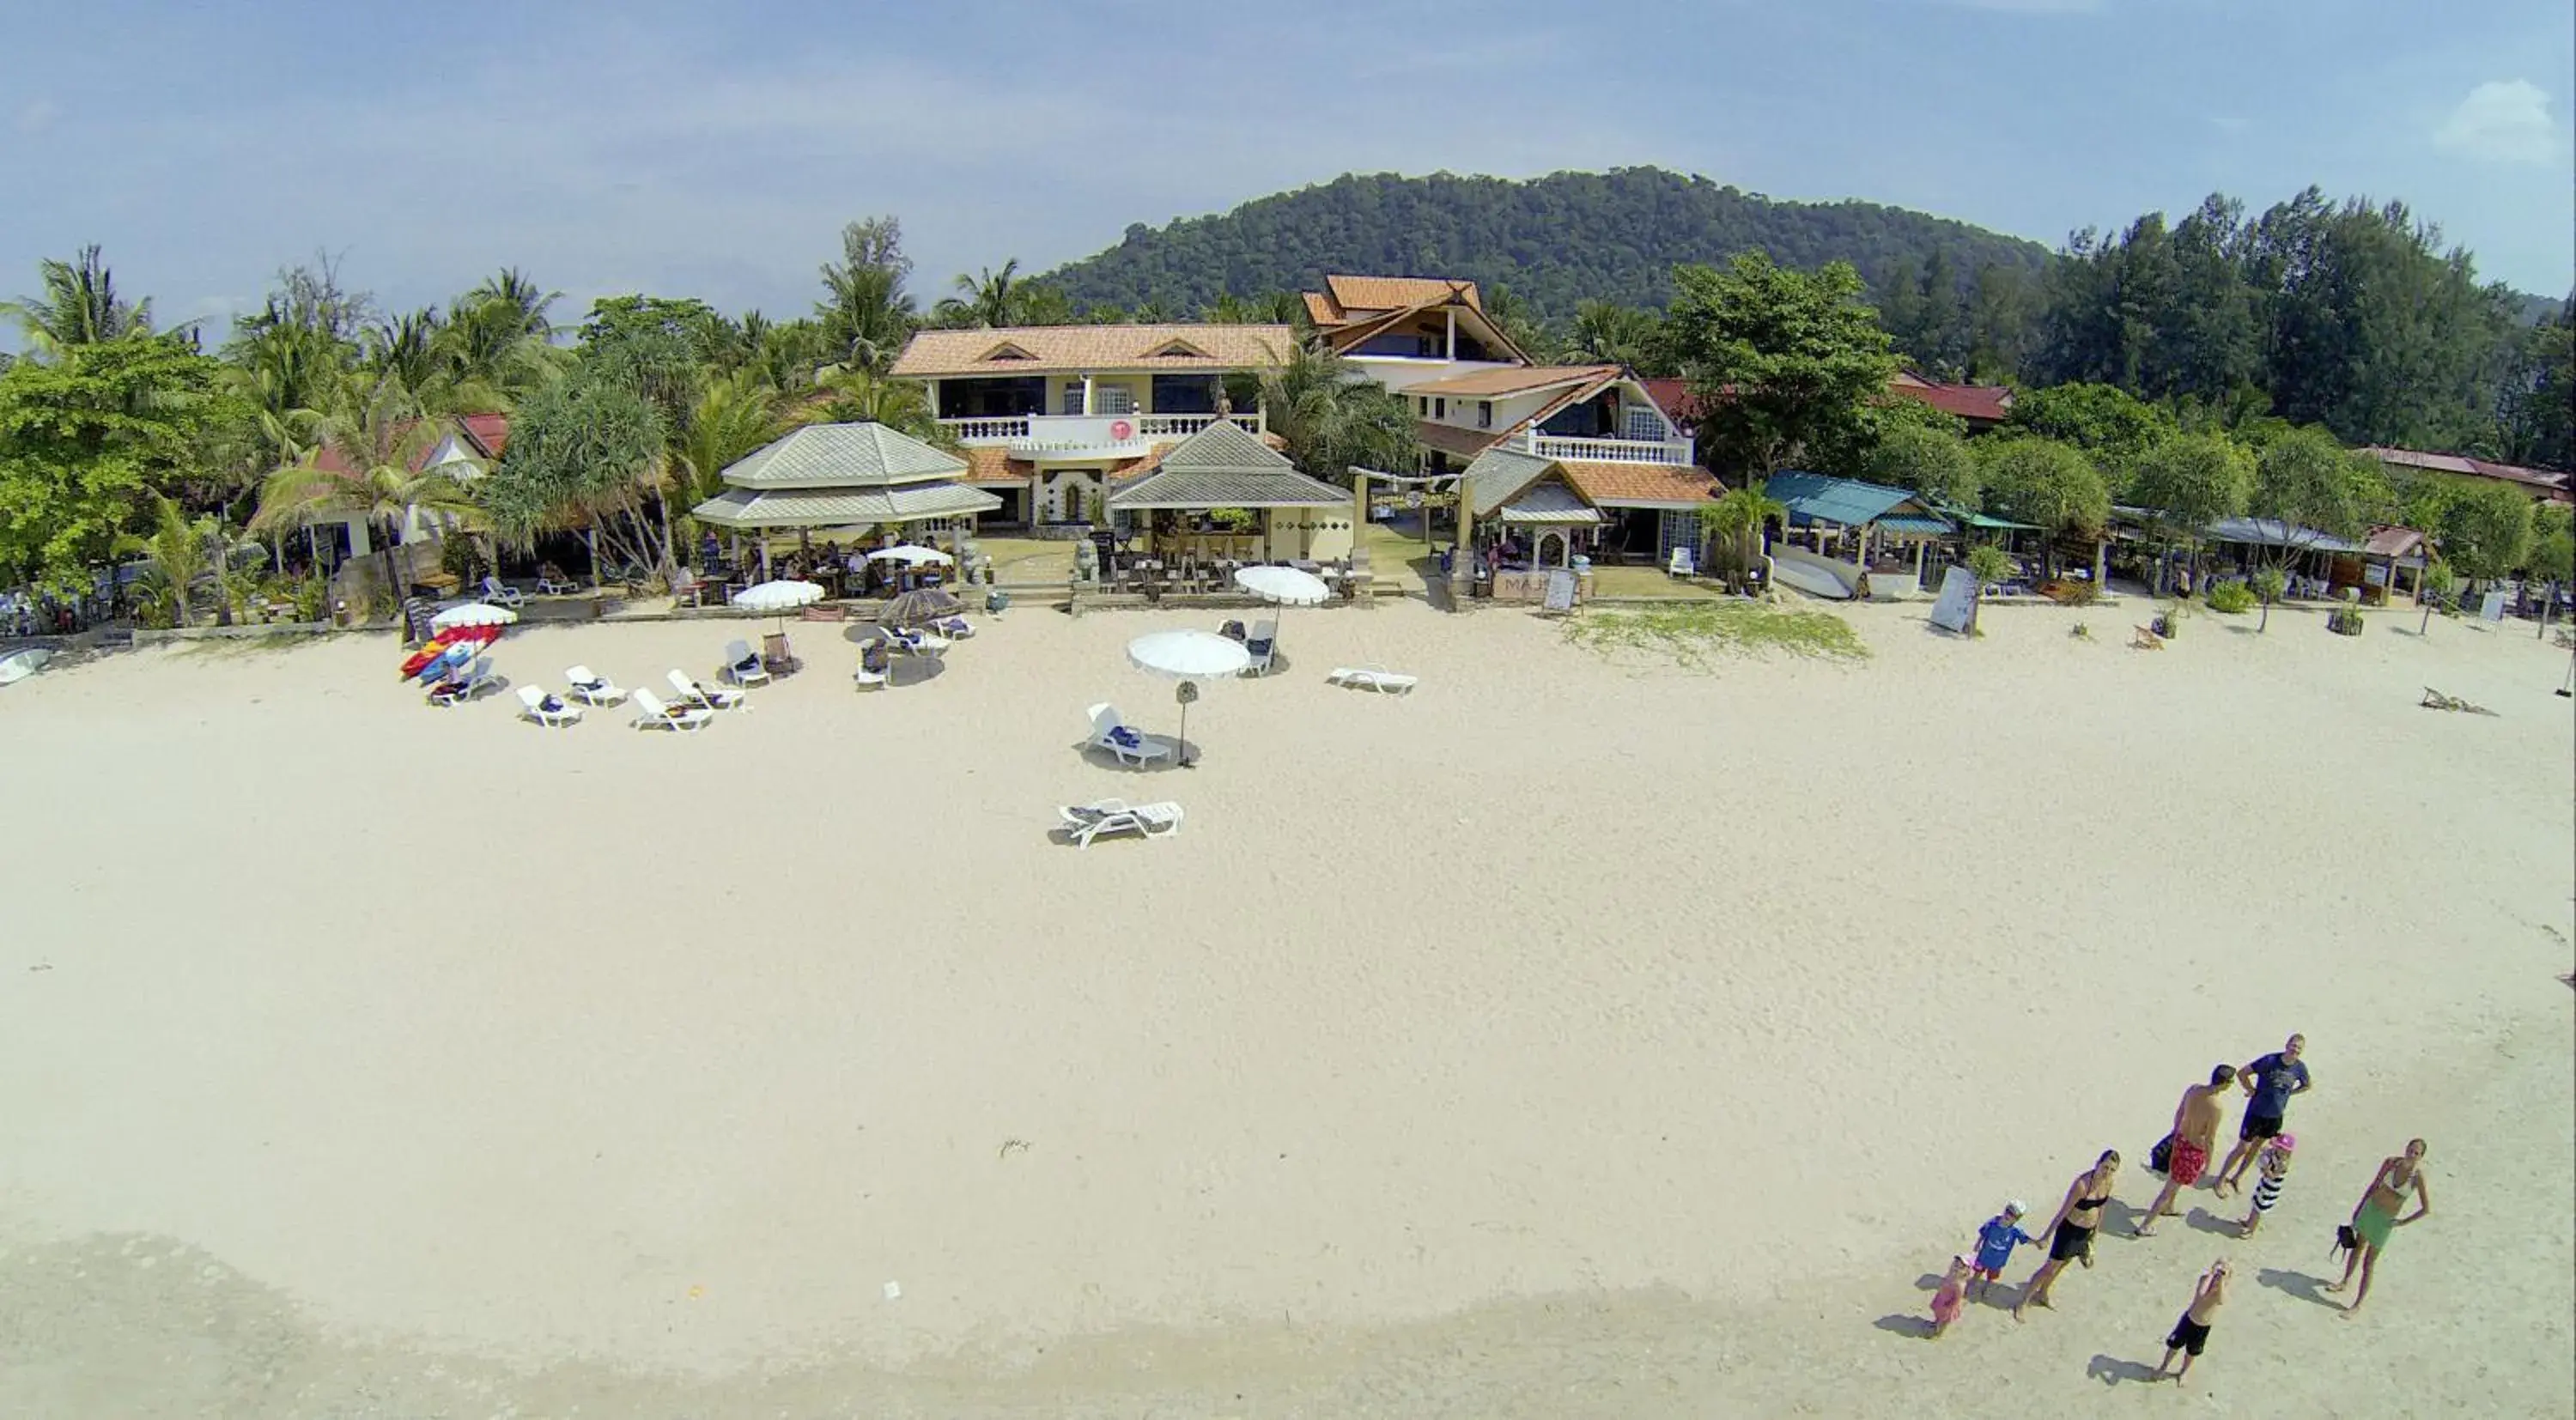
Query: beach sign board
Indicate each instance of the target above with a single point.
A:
(2492, 609)
(1958, 601)
(1560, 590)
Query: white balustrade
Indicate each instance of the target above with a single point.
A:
(1607, 450)
(1069, 432)
(988, 431)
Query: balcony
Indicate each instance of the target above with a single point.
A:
(1548, 446)
(1078, 438)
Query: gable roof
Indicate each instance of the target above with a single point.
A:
(1223, 466)
(1641, 485)
(1989, 404)
(1361, 295)
(1497, 474)
(1847, 501)
(1450, 439)
(1491, 384)
(843, 456)
(2539, 480)
(483, 436)
(2389, 541)
(1071, 349)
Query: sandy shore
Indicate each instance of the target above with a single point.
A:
(1582, 1036)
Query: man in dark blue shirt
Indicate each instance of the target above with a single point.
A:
(2271, 1081)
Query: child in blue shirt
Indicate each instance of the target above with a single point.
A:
(1995, 1243)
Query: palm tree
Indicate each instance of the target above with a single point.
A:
(1609, 334)
(175, 554)
(376, 434)
(736, 415)
(1735, 522)
(80, 306)
(1332, 420)
(497, 344)
(411, 348)
(860, 398)
(994, 299)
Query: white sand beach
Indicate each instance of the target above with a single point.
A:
(1578, 1036)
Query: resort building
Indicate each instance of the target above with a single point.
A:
(2547, 485)
(1405, 330)
(1981, 407)
(1223, 496)
(1529, 512)
(1050, 416)
(1846, 538)
(1589, 413)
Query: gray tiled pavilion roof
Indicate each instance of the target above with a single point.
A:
(1222, 466)
(1550, 501)
(842, 456)
(842, 507)
(1497, 474)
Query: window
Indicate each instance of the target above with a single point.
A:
(1427, 347)
(1484, 414)
(1440, 408)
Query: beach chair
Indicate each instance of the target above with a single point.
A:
(652, 714)
(1376, 678)
(2144, 638)
(549, 584)
(742, 664)
(500, 595)
(711, 697)
(914, 643)
(1085, 822)
(546, 710)
(1684, 563)
(1263, 643)
(875, 667)
(1111, 733)
(593, 688)
(463, 685)
(956, 628)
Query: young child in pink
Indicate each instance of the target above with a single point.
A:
(1952, 1295)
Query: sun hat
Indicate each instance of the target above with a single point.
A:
(2285, 1142)
(2014, 1206)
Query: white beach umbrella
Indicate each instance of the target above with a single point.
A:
(912, 556)
(778, 598)
(473, 614)
(1188, 657)
(1284, 585)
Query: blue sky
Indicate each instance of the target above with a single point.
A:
(693, 149)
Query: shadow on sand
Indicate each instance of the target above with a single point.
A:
(2111, 1370)
(2299, 1285)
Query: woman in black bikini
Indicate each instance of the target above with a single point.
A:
(2070, 1236)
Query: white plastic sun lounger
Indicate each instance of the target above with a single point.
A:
(590, 686)
(652, 714)
(1377, 678)
(742, 664)
(712, 697)
(918, 643)
(873, 673)
(1262, 644)
(464, 685)
(1085, 822)
(1111, 733)
(546, 710)
(498, 594)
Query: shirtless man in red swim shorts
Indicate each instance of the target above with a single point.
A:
(2195, 1132)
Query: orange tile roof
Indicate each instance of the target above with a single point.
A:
(1069, 349)
(1388, 293)
(1612, 484)
(992, 464)
(1515, 380)
(1321, 310)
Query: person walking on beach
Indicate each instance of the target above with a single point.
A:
(2070, 1233)
(2195, 1130)
(2271, 1080)
(2270, 1172)
(1952, 1295)
(1995, 1243)
(2377, 1216)
(2192, 1332)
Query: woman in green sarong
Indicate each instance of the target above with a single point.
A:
(2378, 1215)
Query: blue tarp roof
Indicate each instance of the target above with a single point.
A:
(1834, 500)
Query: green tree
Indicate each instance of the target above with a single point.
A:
(88, 435)
(735, 416)
(2112, 426)
(2269, 583)
(865, 315)
(2313, 485)
(2190, 481)
(2435, 590)
(2485, 529)
(1331, 421)
(2552, 554)
(2046, 484)
(1928, 460)
(902, 405)
(1607, 334)
(1990, 566)
(2539, 411)
(590, 451)
(993, 300)
(377, 436)
(79, 307)
(1783, 362)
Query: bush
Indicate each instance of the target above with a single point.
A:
(2344, 621)
(2231, 598)
(458, 557)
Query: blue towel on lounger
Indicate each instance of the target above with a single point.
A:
(1125, 738)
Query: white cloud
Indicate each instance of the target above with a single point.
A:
(2502, 121)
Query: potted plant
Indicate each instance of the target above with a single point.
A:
(2169, 621)
(2344, 621)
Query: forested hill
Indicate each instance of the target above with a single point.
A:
(1554, 241)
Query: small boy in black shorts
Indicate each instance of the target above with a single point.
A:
(2192, 1332)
